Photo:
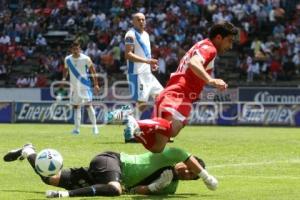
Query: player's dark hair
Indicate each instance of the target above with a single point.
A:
(224, 29)
(200, 161)
(75, 43)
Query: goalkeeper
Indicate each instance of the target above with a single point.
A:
(113, 174)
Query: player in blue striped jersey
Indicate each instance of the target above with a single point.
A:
(143, 83)
(81, 70)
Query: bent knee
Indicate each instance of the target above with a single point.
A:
(116, 188)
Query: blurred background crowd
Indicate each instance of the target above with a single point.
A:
(35, 35)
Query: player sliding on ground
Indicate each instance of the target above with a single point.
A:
(111, 173)
(173, 105)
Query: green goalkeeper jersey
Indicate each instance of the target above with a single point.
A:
(136, 168)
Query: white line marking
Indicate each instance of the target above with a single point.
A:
(294, 161)
(259, 177)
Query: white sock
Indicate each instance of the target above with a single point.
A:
(92, 115)
(77, 117)
(27, 151)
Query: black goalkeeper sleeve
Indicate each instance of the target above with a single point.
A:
(95, 190)
(31, 159)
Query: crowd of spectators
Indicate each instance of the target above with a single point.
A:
(268, 47)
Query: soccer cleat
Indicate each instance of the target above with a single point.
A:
(128, 136)
(211, 182)
(53, 194)
(75, 131)
(132, 128)
(119, 115)
(17, 153)
(95, 131)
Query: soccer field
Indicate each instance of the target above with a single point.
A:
(249, 162)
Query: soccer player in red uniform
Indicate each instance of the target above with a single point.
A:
(173, 105)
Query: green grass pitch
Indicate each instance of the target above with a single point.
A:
(255, 163)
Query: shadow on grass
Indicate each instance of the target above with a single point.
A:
(23, 191)
(109, 143)
(26, 191)
(175, 196)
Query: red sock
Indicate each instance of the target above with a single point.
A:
(149, 127)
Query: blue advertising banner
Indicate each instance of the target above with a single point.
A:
(5, 112)
(213, 95)
(226, 113)
(270, 114)
(43, 112)
(46, 95)
(270, 95)
(245, 114)
(101, 108)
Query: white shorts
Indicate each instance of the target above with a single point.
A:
(142, 86)
(82, 96)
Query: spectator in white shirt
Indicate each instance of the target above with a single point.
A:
(40, 40)
(4, 39)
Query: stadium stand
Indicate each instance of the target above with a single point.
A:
(34, 37)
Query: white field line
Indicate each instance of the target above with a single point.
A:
(98, 125)
(258, 177)
(294, 161)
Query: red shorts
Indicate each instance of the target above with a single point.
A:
(149, 129)
(148, 140)
(170, 103)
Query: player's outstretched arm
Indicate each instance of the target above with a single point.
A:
(196, 65)
(194, 166)
(218, 83)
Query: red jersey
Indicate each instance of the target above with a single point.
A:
(184, 80)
